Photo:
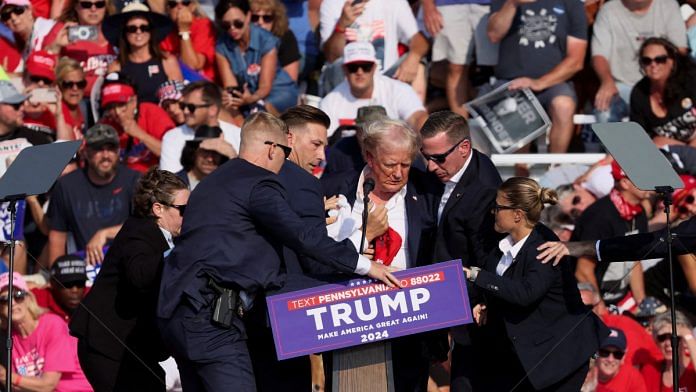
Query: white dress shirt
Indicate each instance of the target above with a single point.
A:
(510, 252)
(449, 186)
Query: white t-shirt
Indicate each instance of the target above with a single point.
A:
(385, 23)
(174, 140)
(398, 98)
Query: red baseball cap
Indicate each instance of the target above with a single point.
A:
(616, 171)
(116, 93)
(43, 64)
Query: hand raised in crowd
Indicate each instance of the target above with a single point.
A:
(432, 17)
(125, 115)
(480, 312)
(219, 145)
(350, 13)
(331, 204)
(382, 272)
(524, 82)
(183, 17)
(94, 253)
(377, 222)
(61, 39)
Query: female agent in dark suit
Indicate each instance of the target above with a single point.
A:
(535, 321)
(118, 342)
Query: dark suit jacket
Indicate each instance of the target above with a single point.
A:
(540, 308)
(422, 194)
(650, 245)
(124, 295)
(466, 229)
(235, 226)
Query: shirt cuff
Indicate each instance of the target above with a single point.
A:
(364, 265)
(355, 238)
(599, 257)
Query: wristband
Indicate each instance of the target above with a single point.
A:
(339, 29)
(185, 35)
(16, 380)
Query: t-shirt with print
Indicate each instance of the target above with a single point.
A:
(82, 208)
(50, 348)
(398, 98)
(680, 121)
(151, 119)
(537, 39)
(385, 23)
(618, 34)
(94, 58)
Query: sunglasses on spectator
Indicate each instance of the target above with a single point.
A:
(441, 158)
(132, 29)
(15, 106)
(604, 353)
(7, 13)
(286, 150)
(39, 79)
(18, 296)
(354, 67)
(192, 106)
(498, 207)
(237, 24)
(687, 200)
(70, 285)
(266, 18)
(661, 338)
(89, 4)
(69, 84)
(646, 61)
(173, 4)
(180, 207)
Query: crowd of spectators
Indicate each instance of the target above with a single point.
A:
(169, 83)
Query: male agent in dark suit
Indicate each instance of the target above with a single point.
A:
(465, 229)
(230, 250)
(409, 197)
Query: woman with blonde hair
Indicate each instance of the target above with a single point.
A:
(271, 15)
(44, 355)
(71, 81)
(192, 40)
(534, 324)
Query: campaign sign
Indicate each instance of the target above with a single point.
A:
(510, 119)
(362, 311)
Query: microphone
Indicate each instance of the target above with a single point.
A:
(368, 186)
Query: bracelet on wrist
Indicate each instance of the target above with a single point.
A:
(185, 35)
(339, 29)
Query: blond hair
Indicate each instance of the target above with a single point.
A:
(527, 195)
(65, 66)
(395, 132)
(280, 16)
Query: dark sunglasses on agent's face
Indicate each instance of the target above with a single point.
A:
(89, 4)
(8, 11)
(237, 24)
(354, 67)
(286, 150)
(498, 207)
(180, 207)
(132, 29)
(18, 296)
(173, 4)
(604, 353)
(441, 158)
(68, 84)
(645, 61)
(265, 18)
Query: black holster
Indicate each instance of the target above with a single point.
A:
(226, 305)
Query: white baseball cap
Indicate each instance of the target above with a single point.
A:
(359, 52)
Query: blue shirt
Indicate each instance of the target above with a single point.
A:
(246, 66)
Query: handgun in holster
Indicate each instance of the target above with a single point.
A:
(226, 304)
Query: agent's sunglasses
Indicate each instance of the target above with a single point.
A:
(18, 296)
(237, 24)
(354, 67)
(604, 353)
(180, 207)
(173, 4)
(441, 158)
(265, 18)
(132, 29)
(89, 4)
(646, 61)
(498, 207)
(286, 150)
(7, 13)
(68, 84)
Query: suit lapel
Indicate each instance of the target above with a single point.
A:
(521, 255)
(460, 189)
(413, 221)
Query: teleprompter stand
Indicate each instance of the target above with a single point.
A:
(33, 172)
(649, 170)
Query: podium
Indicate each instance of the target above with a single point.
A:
(366, 368)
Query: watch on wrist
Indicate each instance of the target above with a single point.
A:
(185, 35)
(474, 273)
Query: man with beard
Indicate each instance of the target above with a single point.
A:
(88, 206)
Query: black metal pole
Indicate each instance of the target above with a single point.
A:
(10, 293)
(366, 212)
(666, 193)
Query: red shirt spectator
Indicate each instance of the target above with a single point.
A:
(10, 58)
(652, 374)
(202, 36)
(641, 349)
(68, 277)
(94, 57)
(614, 373)
(628, 379)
